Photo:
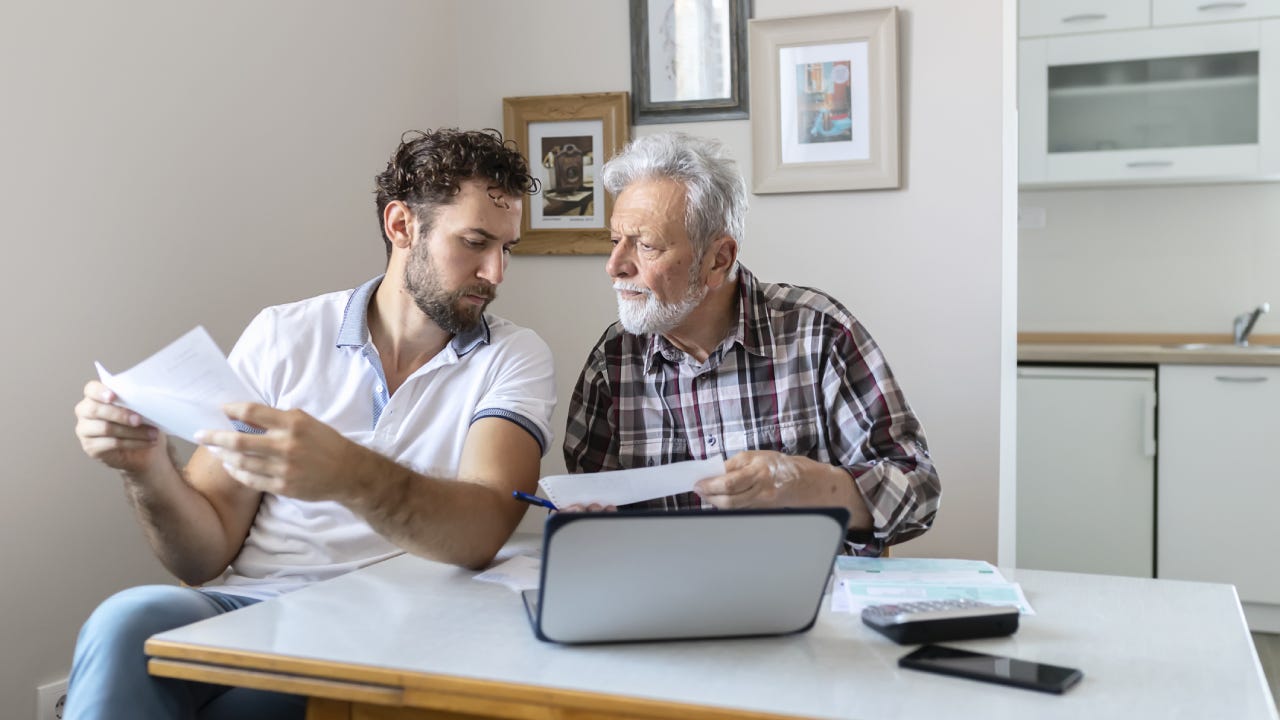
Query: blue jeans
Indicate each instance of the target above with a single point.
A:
(109, 677)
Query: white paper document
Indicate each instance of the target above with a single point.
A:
(519, 573)
(862, 582)
(182, 388)
(622, 487)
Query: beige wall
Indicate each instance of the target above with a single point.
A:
(1164, 259)
(161, 165)
(922, 267)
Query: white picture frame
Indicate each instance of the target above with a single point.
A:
(824, 102)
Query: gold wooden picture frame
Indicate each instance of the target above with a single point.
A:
(824, 102)
(567, 139)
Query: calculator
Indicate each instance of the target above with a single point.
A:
(938, 620)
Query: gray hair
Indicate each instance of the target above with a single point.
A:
(715, 192)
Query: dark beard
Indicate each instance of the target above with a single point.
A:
(444, 308)
(451, 315)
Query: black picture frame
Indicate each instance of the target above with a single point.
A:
(645, 111)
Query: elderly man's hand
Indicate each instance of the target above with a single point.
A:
(298, 456)
(752, 479)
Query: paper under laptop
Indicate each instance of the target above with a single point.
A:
(182, 388)
(629, 576)
(623, 487)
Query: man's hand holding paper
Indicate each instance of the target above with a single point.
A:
(298, 456)
(182, 388)
(116, 435)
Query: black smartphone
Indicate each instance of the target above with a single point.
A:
(991, 668)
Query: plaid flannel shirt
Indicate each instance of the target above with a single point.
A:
(799, 375)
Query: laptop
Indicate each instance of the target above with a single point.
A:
(670, 575)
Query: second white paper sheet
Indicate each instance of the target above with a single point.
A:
(622, 487)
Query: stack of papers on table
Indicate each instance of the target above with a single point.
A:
(862, 582)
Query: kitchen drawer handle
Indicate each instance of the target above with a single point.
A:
(1221, 6)
(1150, 163)
(1084, 17)
(1246, 379)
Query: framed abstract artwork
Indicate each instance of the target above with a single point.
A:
(824, 102)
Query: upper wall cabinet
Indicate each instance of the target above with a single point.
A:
(1186, 12)
(1037, 18)
(1062, 17)
(1185, 103)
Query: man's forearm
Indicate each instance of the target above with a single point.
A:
(453, 521)
(180, 524)
(827, 485)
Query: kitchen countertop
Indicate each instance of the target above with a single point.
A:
(1144, 349)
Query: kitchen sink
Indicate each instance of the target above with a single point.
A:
(1223, 347)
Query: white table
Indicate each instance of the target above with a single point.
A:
(412, 638)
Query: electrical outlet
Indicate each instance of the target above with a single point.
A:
(50, 700)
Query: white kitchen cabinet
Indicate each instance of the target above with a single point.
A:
(1061, 17)
(1037, 18)
(1219, 471)
(1194, 103)
(1186, 12)
(1086, 470)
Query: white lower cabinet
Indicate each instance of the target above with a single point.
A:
(1086, 469)
(1219, 478)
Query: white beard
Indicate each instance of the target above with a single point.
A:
(649, 316)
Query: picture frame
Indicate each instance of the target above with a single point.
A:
(710, 36)
(567, 139)
(824, 102)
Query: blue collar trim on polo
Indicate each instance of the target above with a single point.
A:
(466, 341)
(355, 318)
(354, 331)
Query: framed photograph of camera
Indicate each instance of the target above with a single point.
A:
(567, 139)
(824, 102)
(688, 60)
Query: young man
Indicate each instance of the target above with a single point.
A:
(396, 416)
(707, 361)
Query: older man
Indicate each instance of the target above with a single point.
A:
(705, 361)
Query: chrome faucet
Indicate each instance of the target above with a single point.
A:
(1244, 322)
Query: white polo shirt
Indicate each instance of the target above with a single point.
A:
(316, 355)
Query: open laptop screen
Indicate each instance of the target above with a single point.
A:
(625, 576)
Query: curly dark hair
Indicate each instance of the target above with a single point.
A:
(429, 167)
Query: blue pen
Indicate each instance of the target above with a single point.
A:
(533, 500)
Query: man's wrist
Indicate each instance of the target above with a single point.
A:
(362, 475)
(377, 487)
(164, 465)
(823, 483)
(834, 485)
